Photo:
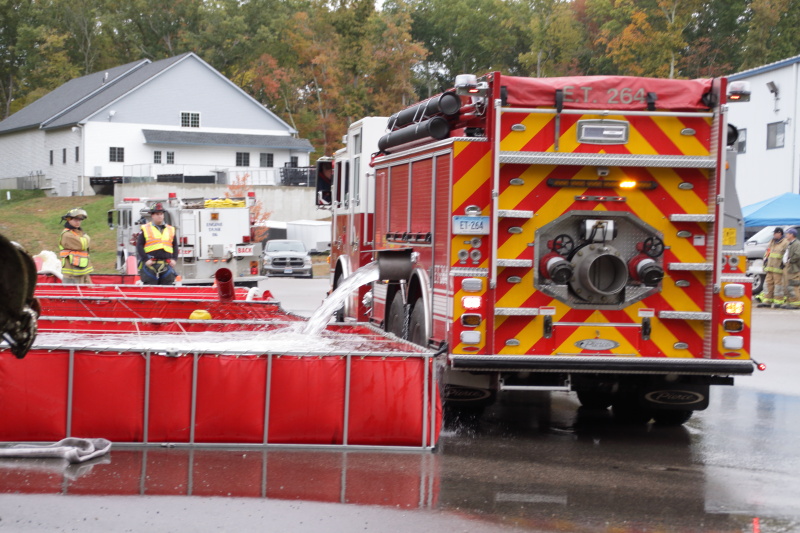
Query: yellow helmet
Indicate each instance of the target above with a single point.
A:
(200, 314)
(75, 213)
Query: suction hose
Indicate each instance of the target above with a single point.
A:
(225, 289)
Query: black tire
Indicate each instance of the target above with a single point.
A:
(416, 328)
(461, 417)
(672, 417)
(758, 283)
(627, 411)
(595, 399)
(396, 317)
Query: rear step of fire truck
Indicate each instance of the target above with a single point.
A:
(180, 366)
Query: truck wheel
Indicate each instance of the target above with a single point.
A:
(396, 318)
(416, 328)
(595, 399)
(758, 283)
(627, 411)
(459, 416)
(672, 417)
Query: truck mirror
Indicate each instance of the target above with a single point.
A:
(324, 182)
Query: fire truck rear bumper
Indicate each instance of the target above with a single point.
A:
(603, 365)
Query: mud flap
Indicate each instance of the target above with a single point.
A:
(675, 396)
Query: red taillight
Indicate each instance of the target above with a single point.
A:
(246, 238)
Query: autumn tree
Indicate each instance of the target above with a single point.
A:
(468, 37)
(16, 16)
(83, 22)
(772, 32)
(152, 29)
(258, 212)
(644, 37)
(557, 40)
(715, 38)
(394, 56)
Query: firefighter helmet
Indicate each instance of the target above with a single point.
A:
(157, 207)
(75, 213)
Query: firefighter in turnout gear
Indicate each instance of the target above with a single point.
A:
(157, 247)
(792, 268)
(73, 245)
(773, 266)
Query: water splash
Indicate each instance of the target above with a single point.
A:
(366, 274)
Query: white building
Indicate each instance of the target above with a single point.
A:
(768, 163)
(174, 120)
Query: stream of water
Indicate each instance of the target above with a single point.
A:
(366, 274)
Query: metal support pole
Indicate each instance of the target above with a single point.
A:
(267, 393)
(346, 400)
(145, 433)
(193, 419)
(70, 390)
(425, 393)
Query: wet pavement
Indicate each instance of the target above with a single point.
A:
(534, 462)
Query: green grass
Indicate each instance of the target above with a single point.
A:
(34, 221)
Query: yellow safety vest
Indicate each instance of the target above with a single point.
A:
(158, 240)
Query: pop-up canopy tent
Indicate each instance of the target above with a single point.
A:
(783, 210)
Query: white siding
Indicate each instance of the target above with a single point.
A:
(189, 86)
(63, 176)
(31, 143)
(764, 173)
(192, 86)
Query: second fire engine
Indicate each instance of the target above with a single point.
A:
(212, 233)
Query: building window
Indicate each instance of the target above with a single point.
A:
(190, 120)
(293, 161)
(64, 155)
(116, 155)
(267, 160)
(51, 157)
(242, 159)
(170, 158)
(157, 157)
(77, 154)
(741, 141)
(776, 134)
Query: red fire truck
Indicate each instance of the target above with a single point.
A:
(562, 234)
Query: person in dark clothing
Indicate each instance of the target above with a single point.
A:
(157, 248)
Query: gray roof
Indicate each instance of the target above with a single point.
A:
(197, 138)
(80, 98)
(764, 68)
(65, 97)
